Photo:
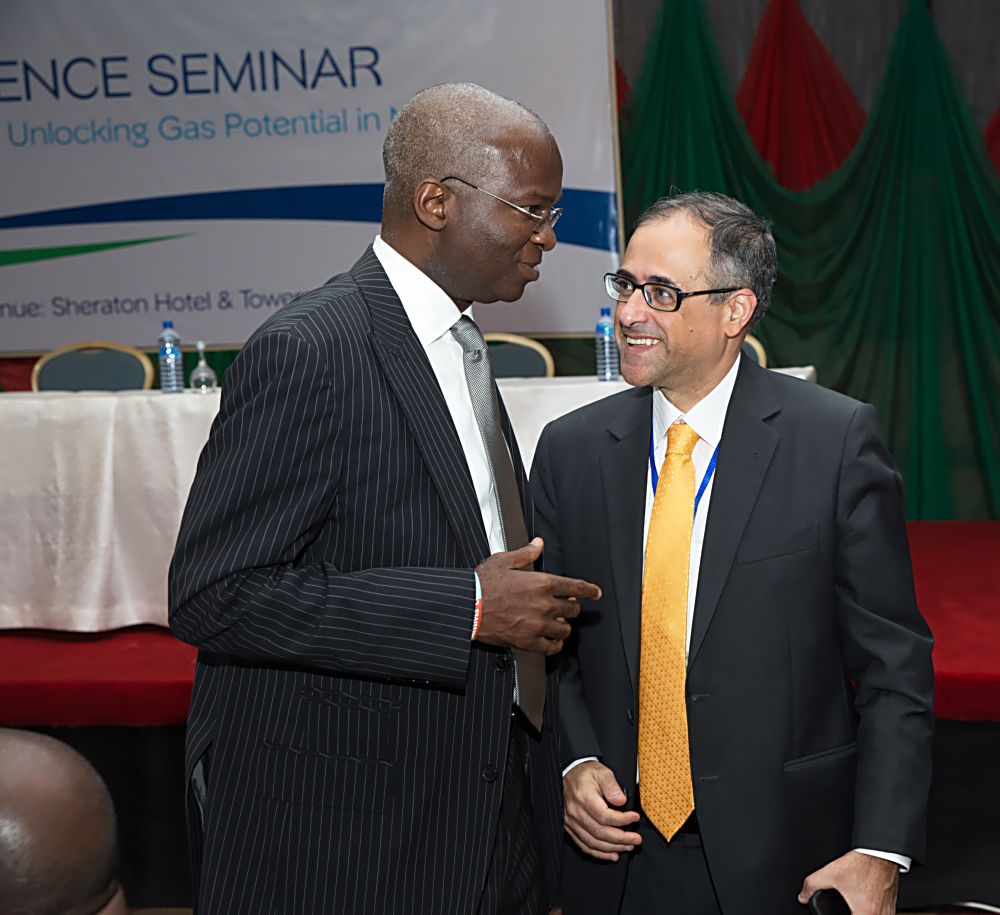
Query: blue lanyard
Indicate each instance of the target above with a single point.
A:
(654, 474)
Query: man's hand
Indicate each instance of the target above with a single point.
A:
(527, 609)
(869, 884)
(591, 794)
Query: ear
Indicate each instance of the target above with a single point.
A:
(741, 307)
(429, 205)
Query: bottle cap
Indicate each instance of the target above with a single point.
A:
(605, 310)
(168, 323)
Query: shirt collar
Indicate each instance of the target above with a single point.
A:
(430, 309)
(706, 417)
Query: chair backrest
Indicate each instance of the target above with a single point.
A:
(755, 350)
(514, 356)
(93, 366)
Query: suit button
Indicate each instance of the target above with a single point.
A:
(502, 662)
(630, 716)
(489, 773)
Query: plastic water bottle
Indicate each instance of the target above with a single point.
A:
(607, 350)
(203, 378)
(171, 360)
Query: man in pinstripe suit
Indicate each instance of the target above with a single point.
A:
(353, 744)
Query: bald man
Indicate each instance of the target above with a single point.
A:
(58, 840)
(372, 727)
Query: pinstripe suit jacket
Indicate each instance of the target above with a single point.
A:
(355, 737)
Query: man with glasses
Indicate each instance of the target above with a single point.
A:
(373, 727)
(746, 715)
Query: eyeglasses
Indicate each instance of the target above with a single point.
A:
(658, 296)
(538, 216)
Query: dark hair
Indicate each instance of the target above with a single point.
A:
(742, 246)
(444, 130)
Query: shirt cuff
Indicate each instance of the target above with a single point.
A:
(903, 862)
(577, 762)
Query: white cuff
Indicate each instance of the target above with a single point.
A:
(903, 862)
(577, 762)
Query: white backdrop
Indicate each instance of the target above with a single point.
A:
(204, 161)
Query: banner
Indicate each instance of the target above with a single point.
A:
(205, 162)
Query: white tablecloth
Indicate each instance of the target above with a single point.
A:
(92, 487)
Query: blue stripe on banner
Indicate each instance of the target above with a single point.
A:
(591, 218)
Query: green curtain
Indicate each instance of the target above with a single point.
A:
(889, 270)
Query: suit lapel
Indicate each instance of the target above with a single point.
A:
(745, 452)
(409, 374)
(623, 476)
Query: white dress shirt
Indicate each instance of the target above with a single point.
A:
(707, 417)
(433, 314)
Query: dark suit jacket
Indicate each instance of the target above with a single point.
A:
(805, 586)
(356, 738)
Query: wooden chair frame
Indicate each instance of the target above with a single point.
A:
(520, 340)
(147, 364)
(758, 348)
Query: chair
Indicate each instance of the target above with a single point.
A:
(93, 366)
(754, 349)
(514, 356)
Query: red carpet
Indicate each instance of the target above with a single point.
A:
(142, 676)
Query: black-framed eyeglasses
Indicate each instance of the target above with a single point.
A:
(538, 216)
(658, 296)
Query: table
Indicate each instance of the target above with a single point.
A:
(94, 484)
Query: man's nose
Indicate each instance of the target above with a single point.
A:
(634, 310)
(545, 236)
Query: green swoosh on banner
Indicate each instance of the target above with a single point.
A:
(28, 255)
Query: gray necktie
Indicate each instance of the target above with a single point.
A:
(529, 668)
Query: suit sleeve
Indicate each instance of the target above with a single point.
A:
(266, 482)
(579, 739)
(887, 646)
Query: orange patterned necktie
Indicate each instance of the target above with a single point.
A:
(664, 757)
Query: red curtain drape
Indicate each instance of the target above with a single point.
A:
(621, 86)
(992, 137)
(801, 114)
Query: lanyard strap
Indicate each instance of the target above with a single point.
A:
(654, 474)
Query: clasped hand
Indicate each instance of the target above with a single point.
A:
(591, 795)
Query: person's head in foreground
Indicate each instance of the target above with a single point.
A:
(695, 280)
(58, 842)
(471, 183)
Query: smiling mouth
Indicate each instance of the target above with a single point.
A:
(533, 268)
(640, 342)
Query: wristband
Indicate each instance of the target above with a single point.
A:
(478, 618)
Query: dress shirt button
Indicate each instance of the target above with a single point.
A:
(489, 773)
(502, 662)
